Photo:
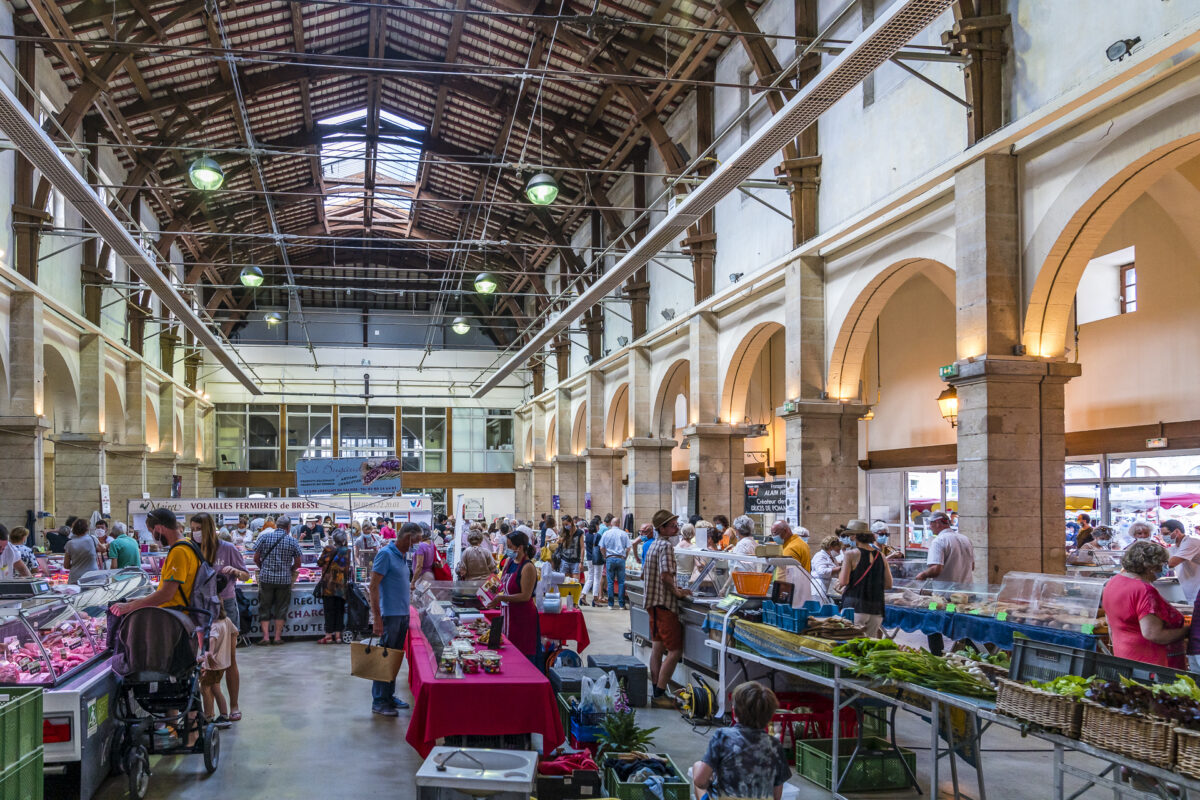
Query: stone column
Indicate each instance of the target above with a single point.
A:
(160, 470)
(716, 455)
(188, 465)
(1011, 443)
(541, 489)
(703, 393)
(135, 403)
(22, 482)
(166, 418)
(125, 465)
(649, 464)
(79, 457)
(26, 368)
(569, 481)
(206, 420)
(604, 472)
(822, 453)
(523, 484)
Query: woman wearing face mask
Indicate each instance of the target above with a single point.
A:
(570, 548)
(721, 524)
(880, 529)
(226, 559)
(520, 610)
(1102, 540)
(864, 578)
(828, 560)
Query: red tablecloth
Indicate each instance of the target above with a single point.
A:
(568, 626)
(518, 700)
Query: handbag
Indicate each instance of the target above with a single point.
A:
(375, 662)
(441, 572)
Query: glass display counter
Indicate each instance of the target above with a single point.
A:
(1063, 602)
(46, 640)
(965, 598)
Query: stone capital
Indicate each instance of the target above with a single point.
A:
(542, 465)
(97, 439)
(132, 449)
(1015, 369)
(716, 429)
(603, 452)
(25, 423)
(568, 459)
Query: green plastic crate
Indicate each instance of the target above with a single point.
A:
(672, 790)
(874, 722)
(876, 767)
(20, 724)
(822, 669)
(564, 709)
(23, 780)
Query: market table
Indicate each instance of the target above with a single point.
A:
(518, 700)
(566, 626)
(979, 628)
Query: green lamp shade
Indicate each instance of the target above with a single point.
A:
(460, 325)
(273, 317)
(252, 277)
(486, 283)
(206, 174)
(541, 189)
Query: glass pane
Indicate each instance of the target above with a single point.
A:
(1154, 466)
(435, 412)
(1082, 470)
(231, 458)
(263, 430)
(952, 490)
(381, 428)
(1082, 498)
(435, 433)
(500, 434)
(435, 461)
(410, 462)
(924, 497)
(499, 462)
(264, 459)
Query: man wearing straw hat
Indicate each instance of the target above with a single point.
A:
(662, 606)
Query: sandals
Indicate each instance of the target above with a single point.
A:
(325, 640)
(234, 716)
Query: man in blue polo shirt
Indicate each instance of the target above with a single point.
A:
(390, 599)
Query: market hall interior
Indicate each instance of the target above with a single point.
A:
(899, 257)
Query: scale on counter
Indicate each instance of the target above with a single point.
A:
(23, 587)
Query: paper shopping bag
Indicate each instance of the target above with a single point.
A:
(375, 662)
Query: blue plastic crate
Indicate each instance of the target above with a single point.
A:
(582, 732)
(793, 620)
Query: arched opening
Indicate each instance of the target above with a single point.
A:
(579, 430)
(755, 386)
(529, 446)
(60, 397)
(671, 410)
(552, 438)
(616, 427)
(114, 411)
(151, 426)
(178, 436)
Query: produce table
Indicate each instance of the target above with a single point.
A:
(567, 626)
(518, 700)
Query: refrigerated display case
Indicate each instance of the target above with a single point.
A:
(1062, 602)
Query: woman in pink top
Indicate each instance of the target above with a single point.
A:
(1143, 625)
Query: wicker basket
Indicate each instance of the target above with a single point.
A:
(1048, 711)
(1187, 756)
(1137, 737)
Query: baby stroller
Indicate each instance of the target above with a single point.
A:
(156, 654)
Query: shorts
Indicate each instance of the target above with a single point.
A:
(232, 611)
(274, 600)
(665, 627)
(211, 677)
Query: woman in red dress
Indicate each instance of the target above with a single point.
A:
(520, 609)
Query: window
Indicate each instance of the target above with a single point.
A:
(367, 432)
(350, 161)
(309, 433)
(247, 436)
(423, 439)
(439, 500)
(1128, 289)
(483, 440)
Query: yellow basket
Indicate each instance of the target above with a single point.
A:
(752, 584)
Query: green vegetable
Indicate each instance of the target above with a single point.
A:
(923, 669)
(1066, 685)
(857, 648)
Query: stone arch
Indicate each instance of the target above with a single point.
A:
(60, 393)
(552, 437)
(742, 367)
(151, 425)
(579, 429)
(616, 426)
(114, 410)
(1051, 301)
(676, 383)
(178, 434)
(529, 446)
(854, 333)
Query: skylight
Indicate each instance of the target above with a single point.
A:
(346, 157)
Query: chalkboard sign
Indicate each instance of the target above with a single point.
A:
(693, 500)
(767, 498)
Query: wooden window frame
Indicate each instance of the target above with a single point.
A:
(1125, 285)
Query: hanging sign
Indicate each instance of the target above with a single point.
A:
(767, 498)
(347, 475)
(105, 500)
(587, 501)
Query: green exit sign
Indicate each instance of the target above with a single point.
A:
(949, 371)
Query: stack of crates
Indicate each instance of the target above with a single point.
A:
(784, 617)
(21, 744)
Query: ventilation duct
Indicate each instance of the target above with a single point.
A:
(894, 29)
(43, 153)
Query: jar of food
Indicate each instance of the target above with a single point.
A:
(491, 661)
(449, 660)
(471, 664)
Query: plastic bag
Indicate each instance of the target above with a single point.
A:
(599, 695)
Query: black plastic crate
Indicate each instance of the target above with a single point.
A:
(579, 784)
(507, 741)
(1112, 668)
(567, 680)
(632, 674)
(1044, 662)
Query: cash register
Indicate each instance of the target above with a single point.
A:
(20, 588)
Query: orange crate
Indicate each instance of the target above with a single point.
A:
(752, 584)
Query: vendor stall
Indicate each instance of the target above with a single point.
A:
(564, 626)
(517, 700)
(401, 508)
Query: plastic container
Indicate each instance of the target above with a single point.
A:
(677, 789)
(1062, 602)
(579, 784)
(572, 589)
(570, 679)
(1044, 662)
(877, 766)
(582, 732)
(23, 780)
(752, 584)
(632, 674)
(20, 725)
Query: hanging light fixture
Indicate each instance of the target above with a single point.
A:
(273, 317)
(487, 282)
(541, 189)
(206, 174)
(460, 325)
(948, 405)
(251, 276)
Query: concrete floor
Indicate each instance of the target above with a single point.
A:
(308, 732)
